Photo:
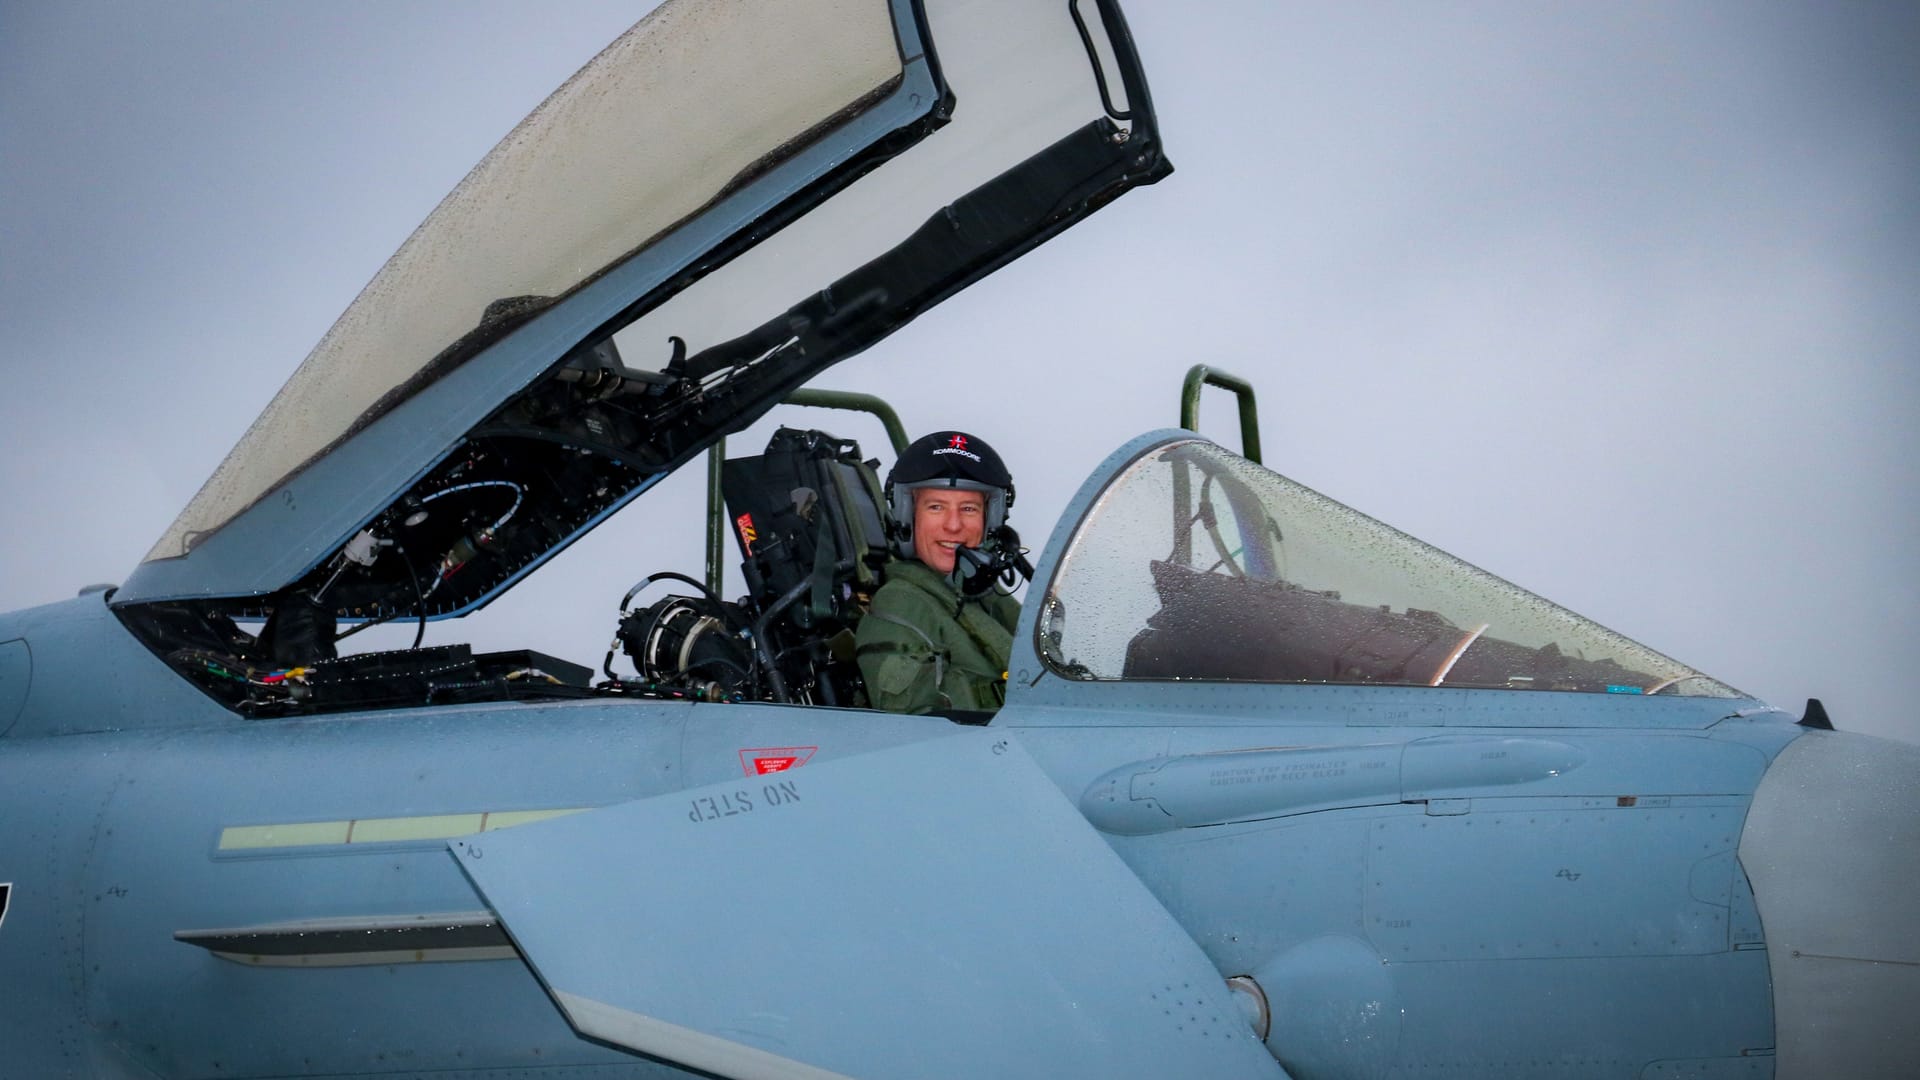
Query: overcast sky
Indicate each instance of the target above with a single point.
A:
(1617, 301)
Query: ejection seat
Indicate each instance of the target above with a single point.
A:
(809, 519)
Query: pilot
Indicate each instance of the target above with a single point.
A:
(940, 627)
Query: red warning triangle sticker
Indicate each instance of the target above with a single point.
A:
(762, 760)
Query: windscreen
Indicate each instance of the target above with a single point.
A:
(693, 100)
(1197, 564)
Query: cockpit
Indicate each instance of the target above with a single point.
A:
(1196, 564)
(721, 206)
(809, 527)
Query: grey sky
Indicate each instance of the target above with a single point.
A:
(1616, 301)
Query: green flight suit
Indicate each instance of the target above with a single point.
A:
(922, 646)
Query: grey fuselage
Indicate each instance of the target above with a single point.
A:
(1510, 885)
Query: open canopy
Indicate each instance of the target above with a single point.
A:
(644, 138)
(744, 194)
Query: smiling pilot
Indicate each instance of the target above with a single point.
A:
(938, 633)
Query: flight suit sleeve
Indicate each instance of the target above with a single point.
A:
(901, 664)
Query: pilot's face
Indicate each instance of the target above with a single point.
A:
(943, 519)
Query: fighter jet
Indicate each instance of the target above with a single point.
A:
(1276, 791)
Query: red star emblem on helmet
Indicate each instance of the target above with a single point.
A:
(958, 442)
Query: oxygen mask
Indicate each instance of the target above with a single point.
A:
(999, 558)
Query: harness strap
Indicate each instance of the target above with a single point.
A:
(961, 617)
(939, 654)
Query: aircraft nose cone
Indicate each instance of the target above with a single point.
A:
(1832, 847)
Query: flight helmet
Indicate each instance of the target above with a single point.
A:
(948, 459)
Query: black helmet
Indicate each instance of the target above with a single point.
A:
(949, 459)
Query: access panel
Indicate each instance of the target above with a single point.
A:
(933, 910)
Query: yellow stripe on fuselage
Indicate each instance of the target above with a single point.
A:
(380, 830)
